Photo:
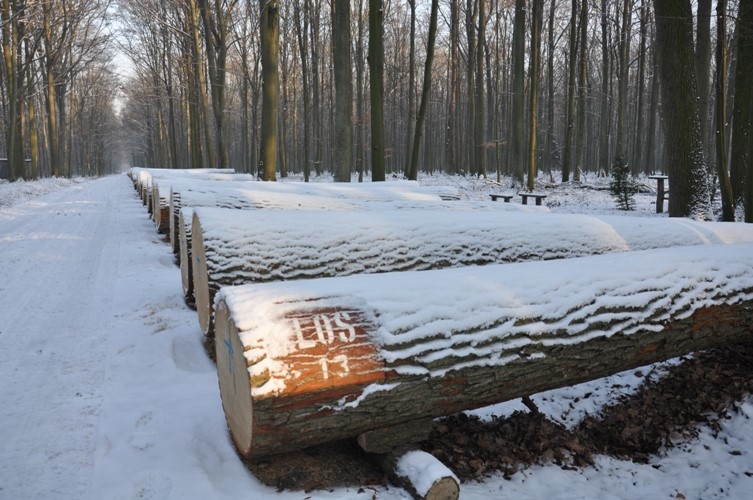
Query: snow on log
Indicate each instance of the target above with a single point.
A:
(232, 247)
(298, 195)
(309, 361)
(421, 474)
(162, 187)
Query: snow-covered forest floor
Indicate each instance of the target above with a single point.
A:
(108, 393)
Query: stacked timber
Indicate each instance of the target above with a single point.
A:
(306, 362)
(231, 247)
(311, 196)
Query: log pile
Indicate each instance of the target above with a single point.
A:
(232, 247)
(325, 330)
(301, 363)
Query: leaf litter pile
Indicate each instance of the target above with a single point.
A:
(700, 390)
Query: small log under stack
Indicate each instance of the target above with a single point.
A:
(235, 247)
(305, 362)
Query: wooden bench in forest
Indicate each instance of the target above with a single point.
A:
(538, 197)
(311, 361)
(505, 197)
(232, 247)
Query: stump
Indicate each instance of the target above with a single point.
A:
(306, 362)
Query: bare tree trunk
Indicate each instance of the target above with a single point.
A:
(451, 144)
(728, 205)
(580, 146)
(536, 20)
(638, 154)
(550, 141)
(376, 81)
(343, 89)
(270, 36)
(605, 123)
(470, 27)
(518, 92)
(571, 91)
(703, 65)
(741, 159)
(685, 152)
(411, 88)
(622, 80)
(479, 126)
(426, 90)
(360, 127)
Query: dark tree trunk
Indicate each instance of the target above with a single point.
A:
(684, 148)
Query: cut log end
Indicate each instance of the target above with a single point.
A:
(421, 474)
(235, 389)
(330, 359)
(202, 294)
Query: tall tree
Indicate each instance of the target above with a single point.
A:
(728, 209)
(518, 92)
(411, 86)
(684, 147)
(479, 139)
(571, 91)
(453, 88)
(216, 18)
(580, 146)
(270, 38)
(622, 79)
(536, 20)
(376, 81)
(741, 159)
(605, 122)
(343, 89)
(703, 64)
(425, 91)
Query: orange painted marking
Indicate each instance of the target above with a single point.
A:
(333, 350)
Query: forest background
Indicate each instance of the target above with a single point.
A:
(506, 88)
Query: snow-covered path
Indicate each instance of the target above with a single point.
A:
(106, 390)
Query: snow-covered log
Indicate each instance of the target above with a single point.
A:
(421, 474)
(233, 247)
(309, 196)
(163, 186)
(309, 361)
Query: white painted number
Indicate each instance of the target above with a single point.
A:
(341, 360)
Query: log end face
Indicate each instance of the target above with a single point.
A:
(235, 390)
(446, 488)
(201, 291)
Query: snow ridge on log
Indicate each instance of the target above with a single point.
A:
(491, 316)
(236, 247)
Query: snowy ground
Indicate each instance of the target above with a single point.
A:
(107, 392)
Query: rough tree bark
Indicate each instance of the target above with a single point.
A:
(684, 147)
(741, 159)
(536, 21)
(343, 90)
(270, 38)
(376, 81)
(728, 203)
(518, 92)
(425, 92)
